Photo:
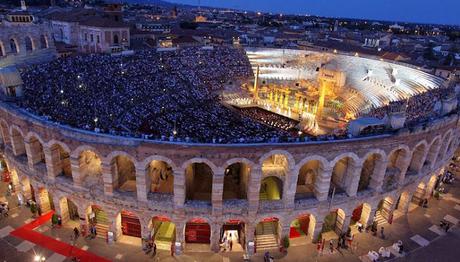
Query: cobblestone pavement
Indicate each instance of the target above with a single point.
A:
(415, 230)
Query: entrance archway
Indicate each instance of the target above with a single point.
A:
(69, 211)
(360, 216)
(271, 188)
(418, 158)
(266, 234)
(233, 231)
(163, 232)
(130, 224)
(37, 155)
(302, 228)
(198, 181)
(61, 161)
(98, 217)
(333, 225)
(395, 168)
(45, 200)
(236, 181)
(384, 211)
(197, 231)
(418, 196)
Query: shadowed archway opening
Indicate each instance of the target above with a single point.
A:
(306, 180)
(236, 181)
(198, 181)
(271, 188)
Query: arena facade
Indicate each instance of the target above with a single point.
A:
(190, 194)
(61, 167)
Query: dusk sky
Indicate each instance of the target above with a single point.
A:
(425, 11)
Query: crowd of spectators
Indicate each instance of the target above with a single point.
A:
(418, 108)
(153, 95)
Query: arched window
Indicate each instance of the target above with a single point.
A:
(29, 44)
(14, 46)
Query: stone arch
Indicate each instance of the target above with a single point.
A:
(418, 158)
(303, 226)
(433, 152)
(58, 160)
(34, 149)
(29, 44)
(289, 159)
(345, 168)
(197, 230)
(89, 167)
(99, 218)
(271, 188)
(17, 141)
(77, 151)
(372, 163)
(45, 199)
(14, 45)
(451, 148)
(199, 177)
(308, 171)
(398, 161)
(128, 222)
(159, 175)
(384, 212)
(68, 209)
(206, 161)
(162, 231)
(419, 194)
(167, 160)
(361, 214)
(236, 179)
(333, 222)
(123, 170)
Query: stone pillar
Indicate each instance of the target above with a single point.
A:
(255, 179)
(107, 178)
(17, 144)
(404, 164)
(180, 238)
(322, 184)
(142, 183)
(84, 228)
(179, 188)
(346, 223)
(370, 219)
(115, 224)
(250, 230)
(378, 176)
(53, 162)
(289, 190)
(34, 153)
(285, 230)
(317, 231)
(25, 188)
(352, 179)
(217, 193)
(77, 177)
(215, 236)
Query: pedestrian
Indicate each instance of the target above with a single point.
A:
(331, 246)
(382, 233)
(318, 248)
(76, 233)
(447, 227)
(231, 243)
(154, 249)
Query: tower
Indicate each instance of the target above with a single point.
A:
(256, 83)
(23, 5)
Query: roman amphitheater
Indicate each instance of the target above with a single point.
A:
(188, 195)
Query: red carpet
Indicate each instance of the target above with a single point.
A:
(293, 233)
(26, 232)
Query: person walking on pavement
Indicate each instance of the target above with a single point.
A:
(382, 235)
(76, 233)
